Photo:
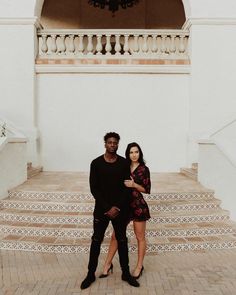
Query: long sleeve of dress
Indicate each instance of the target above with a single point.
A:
(146, 180)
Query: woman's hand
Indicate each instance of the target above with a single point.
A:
(129, 182)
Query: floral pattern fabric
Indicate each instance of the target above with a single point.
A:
(139, 207)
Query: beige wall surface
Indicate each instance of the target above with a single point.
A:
(147, 14)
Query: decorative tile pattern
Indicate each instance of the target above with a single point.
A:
(184, 217)
(88, 207)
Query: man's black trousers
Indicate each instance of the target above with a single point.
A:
(100, 224)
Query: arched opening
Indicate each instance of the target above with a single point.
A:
(148, 14)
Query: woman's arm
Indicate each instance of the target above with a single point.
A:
(132, 184)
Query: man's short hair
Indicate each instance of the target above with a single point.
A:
(111, 134)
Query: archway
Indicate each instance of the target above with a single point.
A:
(168, 14)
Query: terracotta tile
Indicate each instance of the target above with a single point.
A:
(12, 238)
(49, 240)
(177, 240)
(194, 239)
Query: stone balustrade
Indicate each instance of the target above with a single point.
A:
(155, 44)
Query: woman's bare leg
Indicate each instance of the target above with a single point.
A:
(111, 253)
(139, 230)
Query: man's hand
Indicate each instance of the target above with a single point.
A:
(113, 212)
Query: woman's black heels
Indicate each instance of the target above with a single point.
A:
(104, 275)
(139, 275)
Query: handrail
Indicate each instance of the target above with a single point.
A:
(222, 128)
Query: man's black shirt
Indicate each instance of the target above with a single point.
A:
(107, 184)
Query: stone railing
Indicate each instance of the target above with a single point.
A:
(155, 44)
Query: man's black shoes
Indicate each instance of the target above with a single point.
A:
(130, 280)
(87, 281)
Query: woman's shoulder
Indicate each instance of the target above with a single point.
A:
(143, 168)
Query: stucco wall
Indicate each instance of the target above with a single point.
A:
(75, 111)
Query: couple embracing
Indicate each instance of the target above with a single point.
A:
(117, 185)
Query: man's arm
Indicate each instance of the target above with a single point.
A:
(122, 199)
(94, 187)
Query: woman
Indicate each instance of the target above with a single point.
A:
(139, 183)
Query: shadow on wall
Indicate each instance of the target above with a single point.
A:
(148, 14)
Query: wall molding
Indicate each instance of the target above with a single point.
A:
(122, 69)
(21, 21)
(221, 21)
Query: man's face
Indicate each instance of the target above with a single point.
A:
(111, 145)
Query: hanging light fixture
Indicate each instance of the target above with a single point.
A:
(113, 5)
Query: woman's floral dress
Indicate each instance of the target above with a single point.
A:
(139, 207)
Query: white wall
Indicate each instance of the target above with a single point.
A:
(75, 111)
(217, 172)
(17, 76)
(226, 140)
(213, 79)
(13, 165)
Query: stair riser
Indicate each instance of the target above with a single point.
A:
(151, 248)
(57, 196)
(84, 208)
(89, 220)
(87, 233)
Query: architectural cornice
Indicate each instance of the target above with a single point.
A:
(122, 69)
(208, 21)
(21, 21)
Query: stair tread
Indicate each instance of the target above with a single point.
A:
(92, 201)
(149, 226)
(159, 240)
(69, 214)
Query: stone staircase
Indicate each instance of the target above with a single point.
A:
(191, 172)
(40, 216)
(33, 171)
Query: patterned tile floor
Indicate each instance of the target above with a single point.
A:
(186, 273)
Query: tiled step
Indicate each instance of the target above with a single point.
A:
(83, 219)
(160, 206)
(84, 197)
(152, 230)
(189, 172)
(155, 245)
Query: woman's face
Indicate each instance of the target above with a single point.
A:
(134, 154)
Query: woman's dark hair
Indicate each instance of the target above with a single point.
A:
(127, 152)
(112, 134)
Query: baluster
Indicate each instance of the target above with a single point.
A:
(117, 46)
(81, 44)
(126, 45)
(63, 44)
(145, 45)
(163, 44)
(172, 45)
(90, 45)
(99, 44)
(181, 45)
(53, 43)
(71, 46)
(154, 44)
(108, 45)
(44, 47)
(136, 45)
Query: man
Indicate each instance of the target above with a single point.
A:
(107, 175)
